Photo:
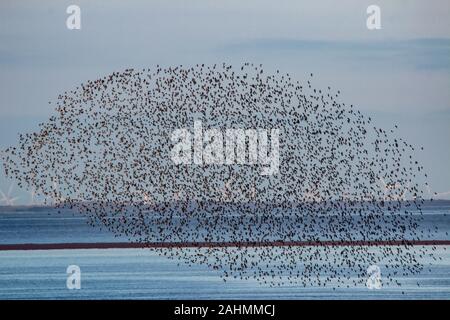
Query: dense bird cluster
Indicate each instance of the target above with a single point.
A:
(106, 153)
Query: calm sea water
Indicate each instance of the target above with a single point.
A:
(144, 274)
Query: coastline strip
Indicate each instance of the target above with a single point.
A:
(133, 245)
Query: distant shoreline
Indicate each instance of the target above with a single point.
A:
(168, 245)
(427, 202)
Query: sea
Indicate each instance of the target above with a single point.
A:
(143, 273)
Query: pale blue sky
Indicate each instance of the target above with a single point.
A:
(399, 74)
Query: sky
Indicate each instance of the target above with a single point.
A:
(399, 74)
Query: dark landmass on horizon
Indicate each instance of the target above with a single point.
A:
(425, 202)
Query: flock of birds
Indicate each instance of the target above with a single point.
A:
(106, 154)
